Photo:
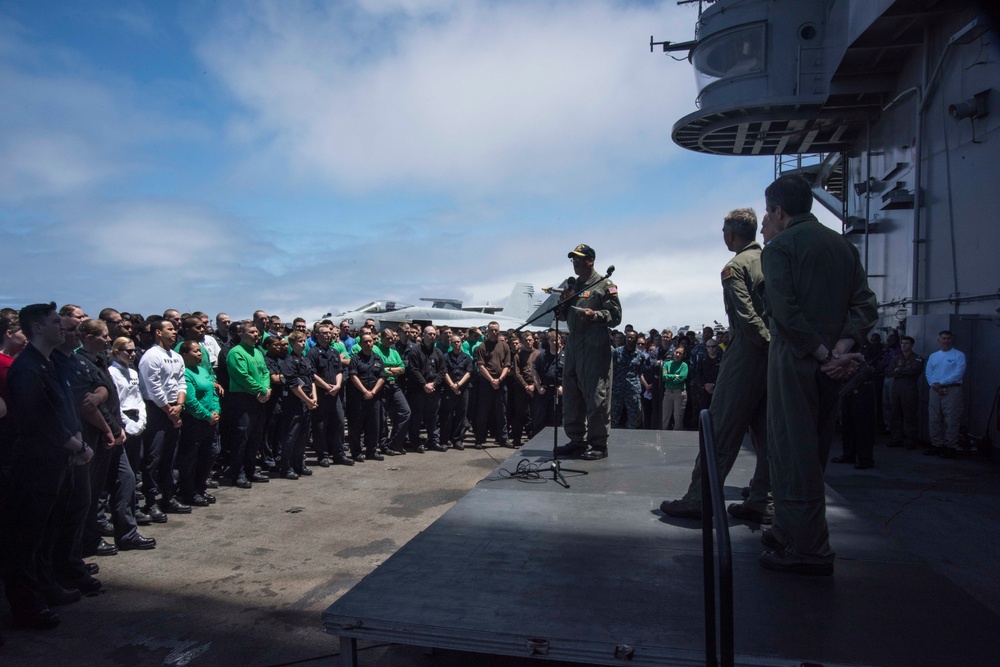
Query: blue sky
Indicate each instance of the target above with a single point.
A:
(307, 157)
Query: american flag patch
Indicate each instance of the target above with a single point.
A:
(612, 289)
(727, 273)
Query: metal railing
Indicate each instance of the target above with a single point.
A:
(718, 635)
(797, 162)
(826, 173)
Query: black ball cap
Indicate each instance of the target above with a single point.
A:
(582, 251)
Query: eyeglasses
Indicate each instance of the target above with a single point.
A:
(126, 351)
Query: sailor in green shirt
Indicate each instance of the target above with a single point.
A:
(203, 402)
(335, 343)
(473, 340)
(249, 390)
(675, 374)
(194, 330)
(444, 339)
(394, 403)
(356, 348)
(200, 418)
(247, 370)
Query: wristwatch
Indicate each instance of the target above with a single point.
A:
(828, 357)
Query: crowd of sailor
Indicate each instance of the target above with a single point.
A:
(114, 422)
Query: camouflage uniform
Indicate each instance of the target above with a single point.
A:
(627, 389)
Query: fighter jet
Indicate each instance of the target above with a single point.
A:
(371, 310)
(521, 307)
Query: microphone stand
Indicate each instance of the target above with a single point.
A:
(555, 465)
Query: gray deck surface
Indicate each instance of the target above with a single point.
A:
(597, 566)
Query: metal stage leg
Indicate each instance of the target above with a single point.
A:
(713, 513)
(348, 651)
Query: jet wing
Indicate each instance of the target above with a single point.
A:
(455, 319)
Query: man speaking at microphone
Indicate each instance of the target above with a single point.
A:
(590, 310)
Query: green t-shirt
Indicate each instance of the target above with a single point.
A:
(674, 374)
(206, 359)
(247, 371)
(390, 359)
(201, 399)
(471, 349)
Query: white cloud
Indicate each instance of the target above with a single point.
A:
(185, 240)
(138, 255)
(499, 134)
(473, 97)
(668, 262)
(133, 17)
(67, 125)
(408, 7)
(47, 163)
(58, 134)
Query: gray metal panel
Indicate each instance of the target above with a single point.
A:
(958, 236)
(595, 567)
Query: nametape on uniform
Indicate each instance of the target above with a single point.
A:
(727, 273)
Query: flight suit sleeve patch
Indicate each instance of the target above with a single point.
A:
(727, 273)
(612, 289)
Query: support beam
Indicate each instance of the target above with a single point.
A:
(829, 202)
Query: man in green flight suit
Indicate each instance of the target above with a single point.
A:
(590, 312)
(820, 307)
(739, 399)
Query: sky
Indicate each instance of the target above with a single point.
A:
(309, 157)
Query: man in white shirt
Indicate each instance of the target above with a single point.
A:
(944, 371)
(210, 343)
(161, 381)
(133, 412)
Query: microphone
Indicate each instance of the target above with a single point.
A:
(611, 269)
(570, 284)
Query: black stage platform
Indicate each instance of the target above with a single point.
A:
(595, 571)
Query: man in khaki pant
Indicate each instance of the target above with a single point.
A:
(944, 371)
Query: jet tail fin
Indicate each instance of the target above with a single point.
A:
(545, 321)
(521, 302)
